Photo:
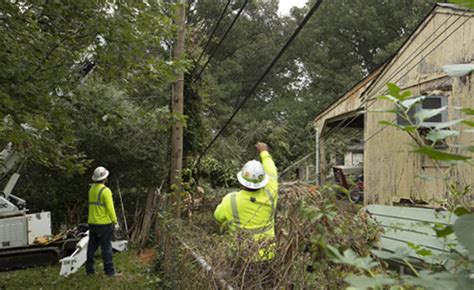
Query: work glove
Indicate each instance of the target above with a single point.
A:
(116, 227)
(261, 147)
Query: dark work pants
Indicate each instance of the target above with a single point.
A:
(100, 235)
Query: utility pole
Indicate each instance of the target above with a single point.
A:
(177, 104)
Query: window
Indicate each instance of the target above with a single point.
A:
(428, 103)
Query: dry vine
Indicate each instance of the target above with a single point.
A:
(307, 221)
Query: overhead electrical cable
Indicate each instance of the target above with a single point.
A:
(410, 58)
(222, 39)
(267, 70)
(211, 36)
(406, 62)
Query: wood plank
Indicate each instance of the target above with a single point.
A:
(429, 242)
(412, 213)
(406, 225)
(390, 245)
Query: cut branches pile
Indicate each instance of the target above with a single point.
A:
(308, 220)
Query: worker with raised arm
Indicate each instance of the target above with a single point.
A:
(252, 209)
(101, 220)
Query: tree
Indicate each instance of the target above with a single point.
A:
(86, 84)
(340, 45)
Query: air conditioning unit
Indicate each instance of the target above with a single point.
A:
(428, 103)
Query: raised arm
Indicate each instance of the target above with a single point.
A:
(267, 161)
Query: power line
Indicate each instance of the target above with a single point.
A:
(211, 36)
(383, 128)
(334, 131)
(408, 59)
(373, 101)
(223, 38)
(275, 60)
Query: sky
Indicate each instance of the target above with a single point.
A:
(285, 5)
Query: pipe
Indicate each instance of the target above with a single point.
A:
(317, 168)
(202, 262)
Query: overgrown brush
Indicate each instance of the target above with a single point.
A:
(307, 221)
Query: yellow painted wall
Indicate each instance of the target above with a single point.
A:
(390, 168)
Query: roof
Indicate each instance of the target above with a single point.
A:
(351, 91)
(452, 6)
(371, 79)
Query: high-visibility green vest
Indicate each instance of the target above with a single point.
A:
(253, 212)
(101, 205)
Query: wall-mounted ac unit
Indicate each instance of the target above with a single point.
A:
(428, 103)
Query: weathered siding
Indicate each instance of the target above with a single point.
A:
(390, 169)
(349, 102)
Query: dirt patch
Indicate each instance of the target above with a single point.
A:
(146, 256)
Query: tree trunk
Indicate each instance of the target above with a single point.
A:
(144, 222)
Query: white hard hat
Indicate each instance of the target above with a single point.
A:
(100, 173)
(253, 175)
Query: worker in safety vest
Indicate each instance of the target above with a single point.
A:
(252, 209)
(101, 220)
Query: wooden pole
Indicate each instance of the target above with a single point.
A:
(177, 104)
(123, 210)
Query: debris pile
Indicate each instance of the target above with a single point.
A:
(308, 220)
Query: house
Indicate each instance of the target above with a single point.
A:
(391, 169)
(354, 155)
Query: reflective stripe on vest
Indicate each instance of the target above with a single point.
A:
(236, 217)
(98, 203)
(272, 202)
(235, 212)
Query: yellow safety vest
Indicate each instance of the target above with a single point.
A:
(101, 205)
(253, 212)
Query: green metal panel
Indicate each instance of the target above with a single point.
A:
(412, 213)
(391, 245)
(397, 224)
(429, 242)
(403, 225)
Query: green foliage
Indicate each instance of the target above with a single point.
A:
(440, 155)
(444, 231)
(331, 55)
(352, 259)
(219, 174)
(463, 3)
(425, 114)
(428, 280)
(314, 214)
(379, 281)
(86, 84)
(439, 135)
(464, 233)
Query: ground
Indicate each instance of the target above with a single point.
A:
(137, 268)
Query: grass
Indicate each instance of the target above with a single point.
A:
(138, 273)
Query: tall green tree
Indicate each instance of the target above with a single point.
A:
(86, 84)
(341, 44)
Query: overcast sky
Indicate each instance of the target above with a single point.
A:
(286, 5)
